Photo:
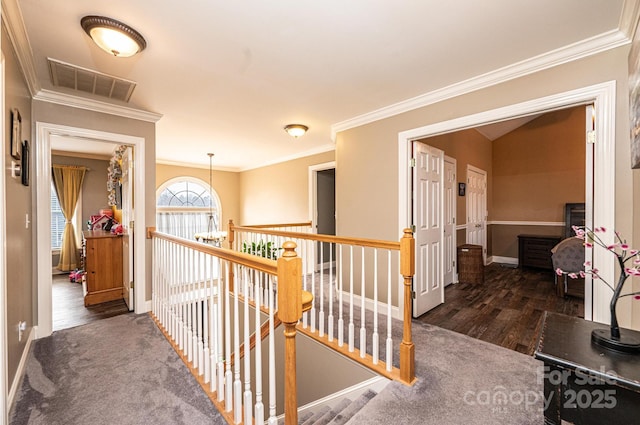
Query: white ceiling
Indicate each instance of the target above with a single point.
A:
(227, 76)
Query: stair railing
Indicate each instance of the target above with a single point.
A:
(198, 310)
(358, 287)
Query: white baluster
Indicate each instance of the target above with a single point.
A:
(389, 358)
(237, 383)
(202, 316)
(227, 343)
(375, 337)
(321, 289)
(330, 317)
(351, 325)
(363, 310)
(259, 407)
(189, 292)
(272, 358)
(340, 294)
(303, 255)
(247, 396)
(310, 260)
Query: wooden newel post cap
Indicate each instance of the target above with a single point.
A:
(407, 254)
(289, 284)
(289, 249)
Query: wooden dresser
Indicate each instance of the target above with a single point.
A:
(102, 253)
(535, 250)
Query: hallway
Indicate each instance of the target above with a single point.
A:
(68, 305)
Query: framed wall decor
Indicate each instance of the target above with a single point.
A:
(25, 163)
(462, 188)
(16, 133)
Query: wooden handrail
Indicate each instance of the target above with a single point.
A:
(372, 243)
(241, 258)
(271, 226)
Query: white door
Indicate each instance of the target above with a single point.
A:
(477, 208)
(127, 223)
(427, 217)
(449, 214)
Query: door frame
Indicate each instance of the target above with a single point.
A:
(454, 237)
(44, 132)
(486, 211)
(601, 170)
(313, 192)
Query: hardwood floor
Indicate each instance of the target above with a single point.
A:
(69, 309)
(506, 309)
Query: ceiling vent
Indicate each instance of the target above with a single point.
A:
(88, 81)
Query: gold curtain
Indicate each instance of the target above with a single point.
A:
(67, 180)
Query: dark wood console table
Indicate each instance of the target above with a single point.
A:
(584, 383)
(535, 250)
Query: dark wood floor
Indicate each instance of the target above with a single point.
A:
(69, 309)
(506, 309)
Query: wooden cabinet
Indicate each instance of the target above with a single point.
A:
(535, 250)
(103, 267)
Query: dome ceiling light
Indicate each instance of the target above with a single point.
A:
(296, 130)
(114, 37)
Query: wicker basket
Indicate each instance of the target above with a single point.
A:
(470, 264)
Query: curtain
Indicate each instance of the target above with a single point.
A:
(67, 181)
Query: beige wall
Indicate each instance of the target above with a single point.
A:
(20, 291)
(225, 183)
(367, 156)
(279, 193)
(539, 167)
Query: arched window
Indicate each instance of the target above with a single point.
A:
(186, 206)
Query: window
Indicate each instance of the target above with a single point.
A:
(58, 221)
(183, 208)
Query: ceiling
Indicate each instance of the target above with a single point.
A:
(227, 76)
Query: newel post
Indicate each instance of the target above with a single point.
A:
(289, 312)
(230, 235)
(407, 269)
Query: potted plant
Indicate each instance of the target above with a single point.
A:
(628, 261)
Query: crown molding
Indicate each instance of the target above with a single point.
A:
(198, 166)
(629, 18)
(12, 20)
(315, 151)
(572, 52)
(95, 105)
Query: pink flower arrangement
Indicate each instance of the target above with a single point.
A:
(628, 260)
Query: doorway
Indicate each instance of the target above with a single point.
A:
(600, 165)
(322, 205)
(44, 134)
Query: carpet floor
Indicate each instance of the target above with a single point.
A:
(123, 371)
(119, 370)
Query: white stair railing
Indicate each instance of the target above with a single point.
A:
(356, 294)
(199, 305)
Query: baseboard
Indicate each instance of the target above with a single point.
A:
(382, 307)
(502, 260)
(148, 306)
(20, 372)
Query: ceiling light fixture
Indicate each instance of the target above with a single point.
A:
(296, 130)
(114, 37)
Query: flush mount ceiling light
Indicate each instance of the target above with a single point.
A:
(296, 130)
(114, 37)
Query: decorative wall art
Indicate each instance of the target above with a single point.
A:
(16, 133)
(634, 100)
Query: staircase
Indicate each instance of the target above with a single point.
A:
(338, 414)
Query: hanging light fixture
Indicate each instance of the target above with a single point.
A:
(114, 37)
(211, 225)
(296, 130)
